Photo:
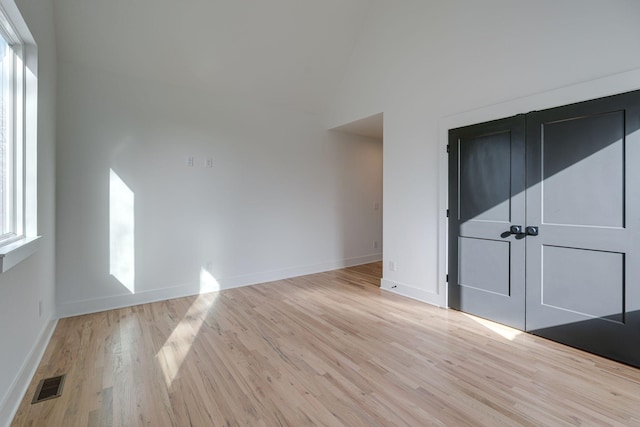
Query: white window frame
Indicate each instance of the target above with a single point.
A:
(13, 88)
(19, 240)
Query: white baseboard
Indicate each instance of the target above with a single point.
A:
(77, 308)
(412, 292)
(270, 276)
(95, 305)
(9, 405)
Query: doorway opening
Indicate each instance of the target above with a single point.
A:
(371, 162)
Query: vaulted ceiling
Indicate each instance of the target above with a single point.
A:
(290, 53)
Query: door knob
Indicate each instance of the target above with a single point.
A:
(515, 229)
(532, 231)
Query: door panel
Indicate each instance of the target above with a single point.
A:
(485, 176)
(486, 191)
(579, 281)
(583, 170)
(583, 285)
(475, 256)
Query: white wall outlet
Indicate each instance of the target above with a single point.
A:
(375, 244)
(392, 265)
(208, 163)
(190, 161)
(208, 266)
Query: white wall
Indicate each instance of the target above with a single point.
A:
(23, 333)
(284, 196)
(284, 52)
(422, 63)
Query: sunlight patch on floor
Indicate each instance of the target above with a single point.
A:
(175, 350)
(502, 330)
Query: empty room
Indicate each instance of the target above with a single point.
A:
(319, 213)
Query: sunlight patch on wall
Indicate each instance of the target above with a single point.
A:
(208, 283)
(176, 348)
(121, 232)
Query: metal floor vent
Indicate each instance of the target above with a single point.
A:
(49, 388)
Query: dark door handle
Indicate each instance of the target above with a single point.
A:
(515, 229)
(532, 231)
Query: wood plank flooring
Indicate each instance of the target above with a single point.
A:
(329, 349)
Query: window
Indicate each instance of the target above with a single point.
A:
(11, 159)
(18, 135)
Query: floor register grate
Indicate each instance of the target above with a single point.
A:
(49, 388)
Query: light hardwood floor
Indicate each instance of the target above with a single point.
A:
(328, 349)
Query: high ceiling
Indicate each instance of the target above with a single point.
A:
(288, 53)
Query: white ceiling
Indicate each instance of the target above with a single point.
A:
(290, 53)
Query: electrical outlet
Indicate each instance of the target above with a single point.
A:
(376, 206)
(208, 266)
(209, 162)
(375, 244)
(392, 265)
(190, 161)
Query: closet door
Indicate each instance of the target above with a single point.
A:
(583, 195)
(486, 199)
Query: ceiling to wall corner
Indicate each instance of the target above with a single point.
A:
(290, 53)
(371, 126)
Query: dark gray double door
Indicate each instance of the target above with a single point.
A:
(544, 226)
